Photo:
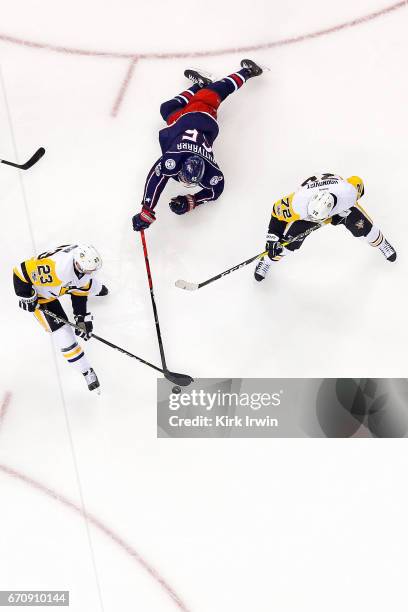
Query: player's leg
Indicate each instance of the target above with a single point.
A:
(168, 108)
(280, 231)
(231, 83)
(209, 97)
(361, 226)
(65, 340)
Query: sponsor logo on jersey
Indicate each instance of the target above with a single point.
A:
(215, 180)
(170, 164)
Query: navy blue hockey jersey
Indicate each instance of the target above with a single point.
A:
(191, 134)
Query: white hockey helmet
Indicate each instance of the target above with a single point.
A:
(321, 205)
(86, 259)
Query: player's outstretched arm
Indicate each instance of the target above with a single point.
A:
(156, 181)
(211, 192)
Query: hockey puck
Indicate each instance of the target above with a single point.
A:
(176, 390)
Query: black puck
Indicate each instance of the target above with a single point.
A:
(176, 390)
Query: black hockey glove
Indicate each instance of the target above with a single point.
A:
(29, 303)
(104, 291)
(144, 219)
(273, 246)
(85, 324)
(337, 219)
(182, 204)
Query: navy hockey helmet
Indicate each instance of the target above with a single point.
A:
(192, 171)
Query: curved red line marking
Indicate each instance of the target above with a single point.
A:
(124, 87)
(4, 406)
(99, 525)
(269, 45)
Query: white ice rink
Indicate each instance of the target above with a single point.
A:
(229, 525)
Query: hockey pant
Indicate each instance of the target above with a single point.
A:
(63, 335)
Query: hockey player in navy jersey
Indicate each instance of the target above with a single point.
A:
(186, 144)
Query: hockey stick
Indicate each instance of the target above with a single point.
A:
(180, 379)
(114, 346)
(182, 284)
(33, 160)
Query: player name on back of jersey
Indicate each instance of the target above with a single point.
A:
(199, 150)
(322, 180)
(322, 183)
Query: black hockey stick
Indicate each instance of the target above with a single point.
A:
(114, 346)
(180, 379)
(33, 160)
(182, 284)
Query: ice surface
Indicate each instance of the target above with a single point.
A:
(233, 525)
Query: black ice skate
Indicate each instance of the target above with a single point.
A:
(92, 380)
(262, 268)
(200, 78)
(254, 69)
(388, 251)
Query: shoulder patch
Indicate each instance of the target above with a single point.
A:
(215, 180)
(170, 164)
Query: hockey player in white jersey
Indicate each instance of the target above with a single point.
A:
(320, 200)
(41, 281)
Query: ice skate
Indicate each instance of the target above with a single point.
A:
(262, 268)
(253, 68)
(387, 250)
(92, 381)
(199, 77)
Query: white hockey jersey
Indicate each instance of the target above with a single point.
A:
(53, 275)
(294, 207)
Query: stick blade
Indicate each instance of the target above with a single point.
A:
(182, 284)
(179, 379)
(34, 159)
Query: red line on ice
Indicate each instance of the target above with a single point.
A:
(93, 520)
(185, 54)
(194, 54)
(124, 87)
(4, 407)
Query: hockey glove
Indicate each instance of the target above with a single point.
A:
(29, 303)
(337, 220)
(144, 219)
(84, 322)
(273, 246)
(104, 291)
(182, 204)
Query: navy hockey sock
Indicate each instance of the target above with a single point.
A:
(178, 102)
(229, 84)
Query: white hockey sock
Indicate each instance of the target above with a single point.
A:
(65, 340)
(374, 237)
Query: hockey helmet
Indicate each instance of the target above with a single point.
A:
(86, 259)
(192, 171)
(320, 206)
